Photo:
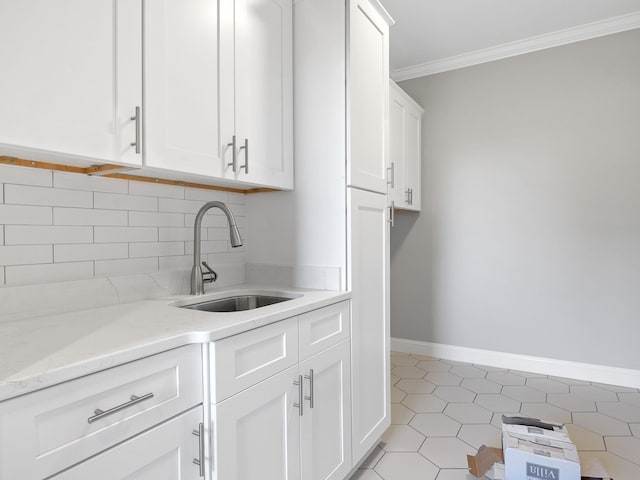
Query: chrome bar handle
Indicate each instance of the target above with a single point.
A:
(300, 404)
(234, 157)
(391, 175)
(408, 196)
(411, 196)
(392, 213)
(200, 460)
(245, 147)
(310, 396)
(104, 413)
(136, 118)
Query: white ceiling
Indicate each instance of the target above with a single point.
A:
(430, 31)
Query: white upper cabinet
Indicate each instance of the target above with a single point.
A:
(368, 71)
(71, 77)
(181, 86)
(405, 133)
(256, 91)
(195, 87)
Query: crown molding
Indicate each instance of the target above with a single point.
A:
(532, 44)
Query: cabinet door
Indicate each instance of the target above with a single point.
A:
(166, 452)
(256, 432)
(413, 158)
(397, 148)
(326, 426)
(257, 90)
(71, 77)
(368, 97)
(368, 263)
(405, 132)
(181, 86)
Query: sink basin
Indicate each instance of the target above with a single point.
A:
(237, 301)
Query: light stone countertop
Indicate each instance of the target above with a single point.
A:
(45, 350)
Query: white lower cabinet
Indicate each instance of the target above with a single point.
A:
(119, 414)
(257, 430)
(368, 236)
(295, 424)
(166, 452)
(326, 425)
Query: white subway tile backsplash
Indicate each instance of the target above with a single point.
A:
(25, 254)
(207, 246)
(155, 190)
(88, 216)
(236, 198)
(25, 176)
(152, 219)
(49, 272)
(93, 251)
(128, 266)
(25, 215)
(60, 226)
(238, 210)
(125, 234)
(115, 201)
(180, 234)
(241, 222)
(203, 195)
(181, 262)
(42, 235)
(160, 249)
(210, 220)
(79, 181)
(219, 234)
(180, 206)
(224, 258)
(55, 197)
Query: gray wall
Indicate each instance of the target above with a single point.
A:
(529, 236)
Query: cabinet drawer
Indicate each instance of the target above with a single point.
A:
(44, 432)
(166, 452)
(250, 357)
(323, 328)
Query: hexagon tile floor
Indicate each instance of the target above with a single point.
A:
(441, 410)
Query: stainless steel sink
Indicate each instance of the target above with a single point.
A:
(237, 301)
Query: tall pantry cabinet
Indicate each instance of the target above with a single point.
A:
(341, 97)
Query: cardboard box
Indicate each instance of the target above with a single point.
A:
(488, 462)
(535, 450)
(536, 458)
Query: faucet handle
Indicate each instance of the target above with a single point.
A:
(210, 275)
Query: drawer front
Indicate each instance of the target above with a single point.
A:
(323, 328)
(166, 452)
(250, 357)
(46, 431)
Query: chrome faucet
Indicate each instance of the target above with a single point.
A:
(197, 277)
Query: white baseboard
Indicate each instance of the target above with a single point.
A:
(546, 366)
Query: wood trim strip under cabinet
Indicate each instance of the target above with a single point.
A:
(101, 169)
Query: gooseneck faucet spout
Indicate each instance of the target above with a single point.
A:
(197, 281)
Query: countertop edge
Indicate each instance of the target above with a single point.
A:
(145, 346)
